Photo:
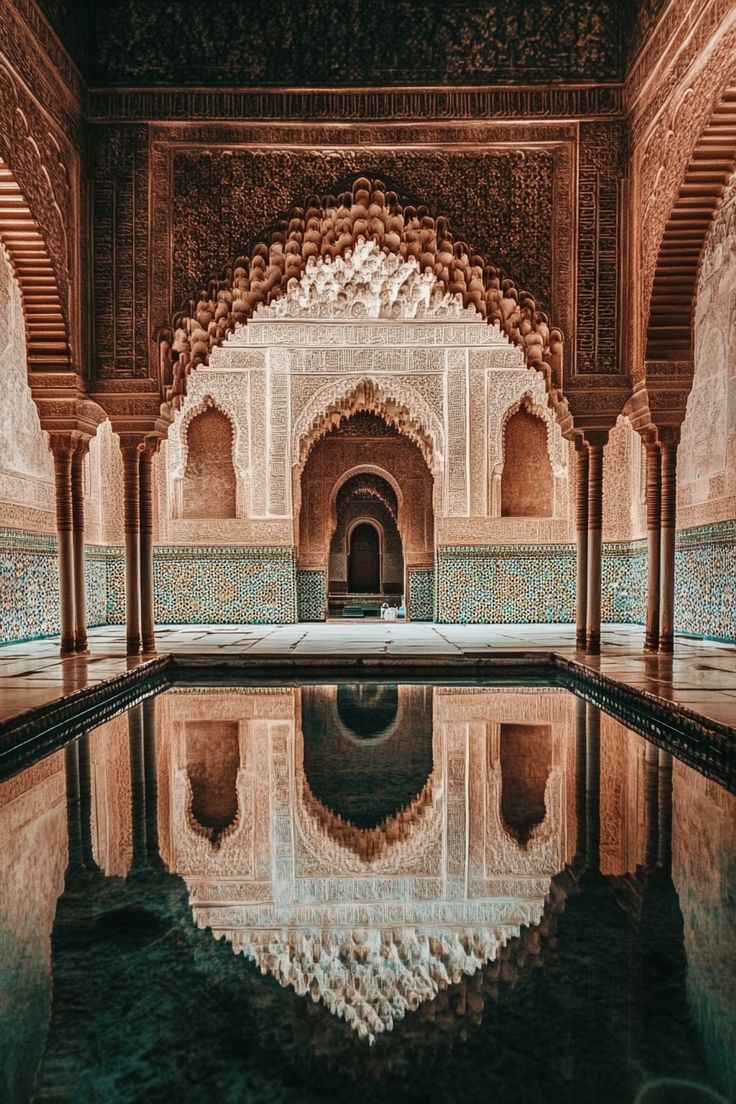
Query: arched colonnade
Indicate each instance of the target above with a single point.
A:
(433, 280)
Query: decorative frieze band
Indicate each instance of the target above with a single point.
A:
(351, 105)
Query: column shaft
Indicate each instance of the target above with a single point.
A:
(62, 449)
(595, 532)
(654, 536)
(80, 598)
(581, 524)
(130, 450)
(669, 520)
(146, 549)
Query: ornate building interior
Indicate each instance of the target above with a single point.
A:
(441, 318)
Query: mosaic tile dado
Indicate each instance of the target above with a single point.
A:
(705, 581)
(29, 586)
(311, 590)
(421, 594)
(624, 583)
(505, 585)
(246, 585)
(241, 585)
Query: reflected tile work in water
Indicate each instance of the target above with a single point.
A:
(480, 881)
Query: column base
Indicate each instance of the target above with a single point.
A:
(133, 646)
(148, 647)
(593, 644)
(68, 646)
(666, 644)
(651, 642)
(580, 641)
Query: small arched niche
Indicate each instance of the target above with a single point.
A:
(209, 485)
(526, 762)
(527, 482)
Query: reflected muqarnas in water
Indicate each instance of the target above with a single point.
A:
(372, 887)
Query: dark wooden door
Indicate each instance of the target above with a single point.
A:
(364, 560)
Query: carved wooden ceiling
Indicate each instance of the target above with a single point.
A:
(410, 42)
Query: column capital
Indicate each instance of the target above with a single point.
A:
(596, 438)
(132, 442)
(669, 436)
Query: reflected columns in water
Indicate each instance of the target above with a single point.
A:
(142, 737)
(592, 788)
(79, 806)
(581, 737)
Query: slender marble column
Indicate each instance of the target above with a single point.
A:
(130, 448)
(581, 522)
(669, 439)
(80, 598)
(146, 545)
(62, 450)
(654, 537)
(596, 443)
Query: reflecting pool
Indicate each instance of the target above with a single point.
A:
(366, 892)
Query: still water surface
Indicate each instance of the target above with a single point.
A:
(366, 892)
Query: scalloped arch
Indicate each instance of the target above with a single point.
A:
(340, 399)
(325, 227)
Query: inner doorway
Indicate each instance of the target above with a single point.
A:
(366, 519)
(364, 560)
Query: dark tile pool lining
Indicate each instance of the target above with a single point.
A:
(706, 745)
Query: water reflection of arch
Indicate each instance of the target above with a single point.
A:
(381, 769)
(186, 844)
(494, 851)
(403, 829)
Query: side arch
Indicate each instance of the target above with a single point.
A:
(47, 340)
(669, 334)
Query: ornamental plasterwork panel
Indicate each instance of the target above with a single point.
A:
(358, 334)
(510, 531)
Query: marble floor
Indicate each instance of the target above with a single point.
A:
(700, 676)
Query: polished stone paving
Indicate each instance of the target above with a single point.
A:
(701, 675)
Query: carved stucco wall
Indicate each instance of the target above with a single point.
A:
(277, 379)
(707, 453)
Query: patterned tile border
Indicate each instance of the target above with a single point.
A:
(311, 593)
(421, 604)
(503, 584)
(249, 584)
